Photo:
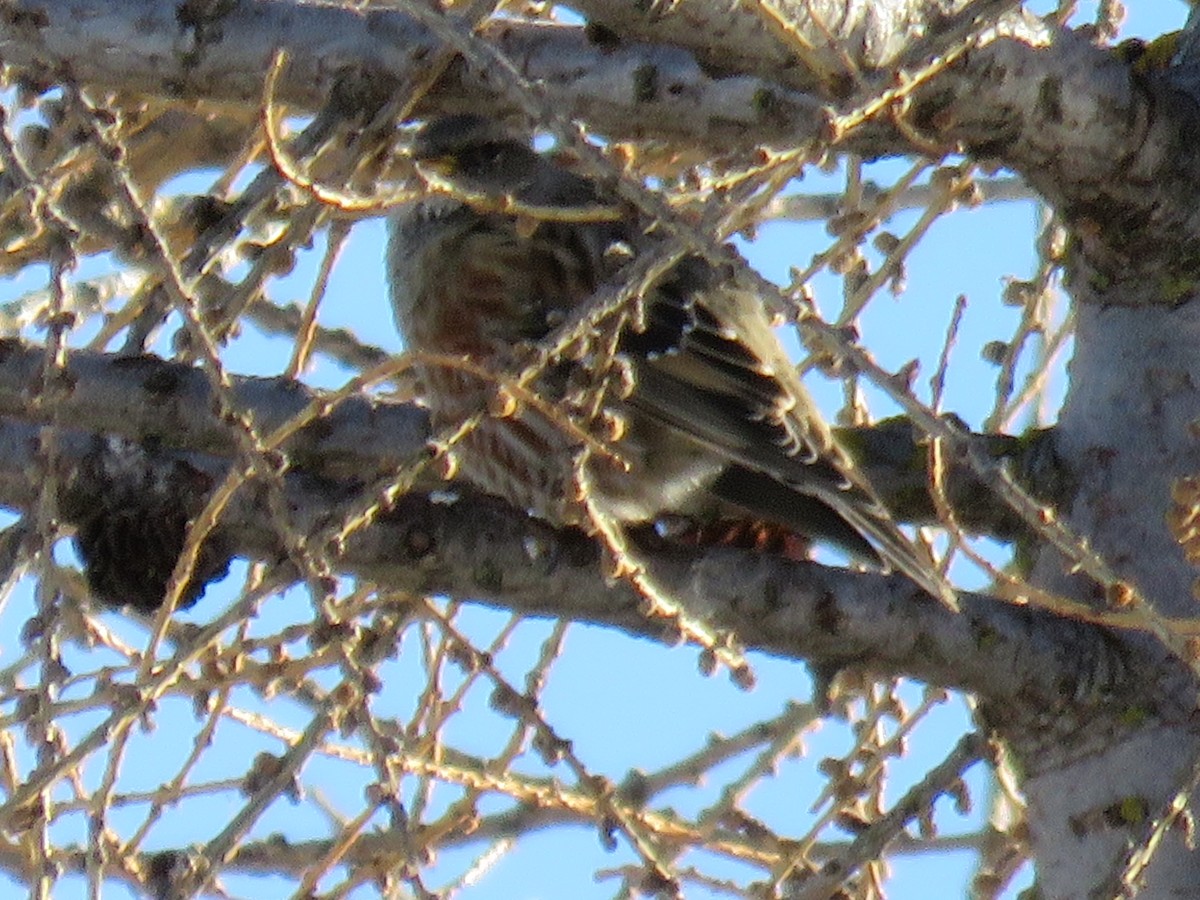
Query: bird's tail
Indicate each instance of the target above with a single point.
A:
(825, 507)
(894, 547)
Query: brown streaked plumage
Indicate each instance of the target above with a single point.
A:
(712, 415)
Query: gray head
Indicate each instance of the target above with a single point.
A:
(481, 156)
(476, 151)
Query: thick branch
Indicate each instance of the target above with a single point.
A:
(146, 398)
(1115, 153)
(142, 46)
(479, 549)
(816, 41)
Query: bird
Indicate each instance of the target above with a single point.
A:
(681, 405)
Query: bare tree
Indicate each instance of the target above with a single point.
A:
(346, 722)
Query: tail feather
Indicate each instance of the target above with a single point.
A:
(896, 549)
(850, 521)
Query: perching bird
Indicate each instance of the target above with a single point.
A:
(699, 411)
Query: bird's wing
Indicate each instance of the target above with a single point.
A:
(708, 364)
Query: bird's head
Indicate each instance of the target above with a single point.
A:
(475, 150)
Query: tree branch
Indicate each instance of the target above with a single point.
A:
(142, 47)
(479, 549)
(146, 398)
(1112, 150)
